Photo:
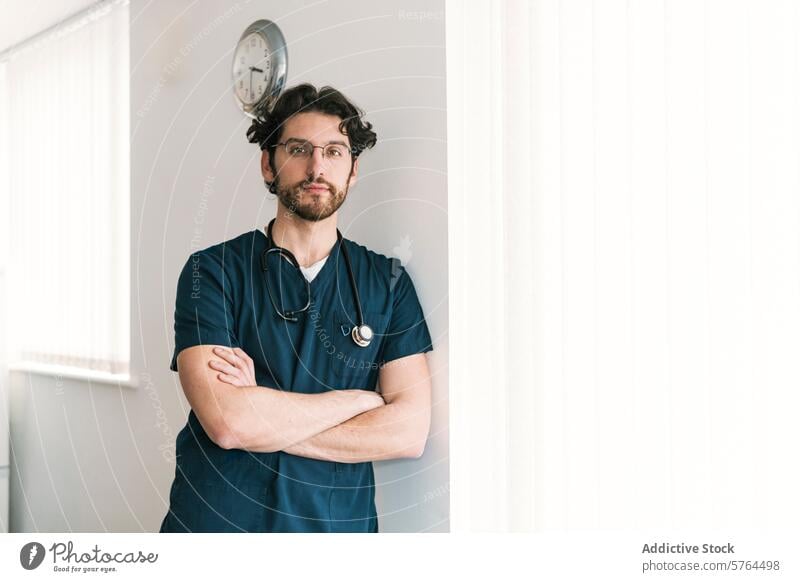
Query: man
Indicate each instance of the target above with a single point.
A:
(281, 336)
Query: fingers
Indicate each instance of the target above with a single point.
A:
(237, 366)
(233, 353)
(251, 369)
(223, 367)
(241, 353)
(229, 356)
(230, 374)
(230, 379)
(238, 357)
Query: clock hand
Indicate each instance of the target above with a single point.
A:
(256, 69)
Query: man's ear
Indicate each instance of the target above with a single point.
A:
(266, 170)
(353, 174)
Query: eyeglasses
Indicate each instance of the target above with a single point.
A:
(303, 150)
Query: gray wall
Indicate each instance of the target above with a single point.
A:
(89, 456)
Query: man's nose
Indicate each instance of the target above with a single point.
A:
(317, 164)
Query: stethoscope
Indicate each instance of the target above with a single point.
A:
(362, 333)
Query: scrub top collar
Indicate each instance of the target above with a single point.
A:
(327, 268)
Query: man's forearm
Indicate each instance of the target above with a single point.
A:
(260, 419)
(396, 430)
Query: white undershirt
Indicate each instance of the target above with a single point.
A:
(311, 271)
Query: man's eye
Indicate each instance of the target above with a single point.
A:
(297, 150)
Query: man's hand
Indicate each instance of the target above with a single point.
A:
(235, 368)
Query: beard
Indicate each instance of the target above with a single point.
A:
(310, 206)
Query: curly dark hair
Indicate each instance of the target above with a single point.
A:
(267, 126)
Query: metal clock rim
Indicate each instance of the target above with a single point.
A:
(279, 56)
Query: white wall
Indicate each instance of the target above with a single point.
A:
(4, 424)
(99, 457)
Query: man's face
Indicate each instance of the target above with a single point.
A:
(312, 187)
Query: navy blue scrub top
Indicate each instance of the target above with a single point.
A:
(222, 299)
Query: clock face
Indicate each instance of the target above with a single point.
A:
(252, 68)
(260, 65)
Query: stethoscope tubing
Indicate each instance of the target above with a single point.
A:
(361, 333)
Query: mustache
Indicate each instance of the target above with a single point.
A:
(307, 184)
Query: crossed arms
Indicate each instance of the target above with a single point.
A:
(348, 426)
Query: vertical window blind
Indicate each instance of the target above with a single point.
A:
(66, 144)
(625, 209)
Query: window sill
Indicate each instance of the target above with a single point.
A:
(55, 371)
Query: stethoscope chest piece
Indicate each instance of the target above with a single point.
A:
(362, 335)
